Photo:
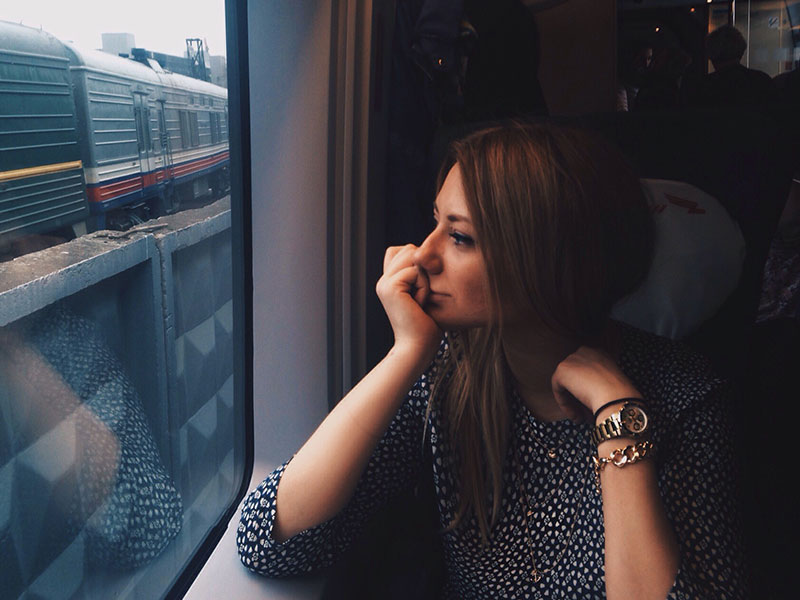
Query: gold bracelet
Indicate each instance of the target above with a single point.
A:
(621, 457)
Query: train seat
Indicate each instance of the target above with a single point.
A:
(739, 158)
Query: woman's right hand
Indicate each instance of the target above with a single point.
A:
(403, 290)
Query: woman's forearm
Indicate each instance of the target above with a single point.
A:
(322, 476)
(641, 552)
(49, 401)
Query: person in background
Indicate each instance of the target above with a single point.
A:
(663, 89)
(635, 62)
(731, 83)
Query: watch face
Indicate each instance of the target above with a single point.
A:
(634, 419)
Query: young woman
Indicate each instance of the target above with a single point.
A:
(572, 456)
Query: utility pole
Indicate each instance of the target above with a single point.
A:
(195, 51)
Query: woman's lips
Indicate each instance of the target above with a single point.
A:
(434, 298)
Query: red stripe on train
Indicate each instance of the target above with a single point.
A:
(108, 191)
(185, 169)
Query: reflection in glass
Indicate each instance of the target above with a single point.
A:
(77, 449)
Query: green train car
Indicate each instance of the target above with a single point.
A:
(42, 185)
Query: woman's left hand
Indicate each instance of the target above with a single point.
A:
(587, 379)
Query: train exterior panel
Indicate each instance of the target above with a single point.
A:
(41, 176)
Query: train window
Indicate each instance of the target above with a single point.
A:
(213, 123)
(186, 138)
(141, 116)
(123, 431)
(194, 130)
(190, 136)
(772, 32)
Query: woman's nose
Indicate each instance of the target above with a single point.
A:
(427, 255)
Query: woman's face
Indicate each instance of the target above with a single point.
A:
(452, 259)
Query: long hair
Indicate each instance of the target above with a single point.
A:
(565, 232)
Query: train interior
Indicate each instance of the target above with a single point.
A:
(242, 321)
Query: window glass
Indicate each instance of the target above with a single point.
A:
(194, 129)
(213, 123)
(121, 441)
(772, 31)
(186, 139)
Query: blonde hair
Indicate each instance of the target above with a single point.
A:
(565, 232)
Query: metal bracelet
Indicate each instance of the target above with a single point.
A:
(621, 457)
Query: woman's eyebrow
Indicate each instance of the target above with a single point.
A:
(454, 217)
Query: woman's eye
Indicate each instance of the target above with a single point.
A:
(461, 239)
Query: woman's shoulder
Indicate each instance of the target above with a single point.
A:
(668, 372)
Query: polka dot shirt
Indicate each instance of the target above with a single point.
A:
(695, 472)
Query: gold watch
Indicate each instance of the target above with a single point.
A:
(630, 421)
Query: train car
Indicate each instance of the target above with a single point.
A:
(41, 166)
(148, 138)
(97, 141)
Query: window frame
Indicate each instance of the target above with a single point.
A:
(241, 251)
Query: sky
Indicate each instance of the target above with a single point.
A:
(158, 25)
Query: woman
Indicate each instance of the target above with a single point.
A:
(539, 231)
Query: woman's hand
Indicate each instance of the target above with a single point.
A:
(586, 380)
(403, 290)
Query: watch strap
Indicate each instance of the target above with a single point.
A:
(608, 430)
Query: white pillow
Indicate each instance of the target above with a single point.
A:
(699, 251)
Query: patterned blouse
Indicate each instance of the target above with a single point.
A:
(695, 472)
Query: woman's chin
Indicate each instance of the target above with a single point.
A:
(440, 316)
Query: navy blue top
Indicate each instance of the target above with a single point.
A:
(694, 461)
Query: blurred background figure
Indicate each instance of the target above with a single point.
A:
(635, 62)
(731, 83)
(663, 88)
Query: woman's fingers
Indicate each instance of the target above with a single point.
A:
(388, 257)
(399, 268)
(397, 257)
(402, 290)
(422, 286)
(409, 280)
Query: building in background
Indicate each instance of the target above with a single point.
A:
(124, 44)
(118, 44)
(219, 71)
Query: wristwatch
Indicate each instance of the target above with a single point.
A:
(630, 421)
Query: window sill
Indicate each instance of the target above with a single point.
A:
(223, 576)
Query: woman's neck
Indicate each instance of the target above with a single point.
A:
(532, 360)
